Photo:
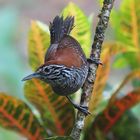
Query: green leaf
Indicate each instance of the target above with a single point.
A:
(127, 123)
(112, 113)
(82, 29)
(38, 43)
(59, 138)
(17, 116)
(101, 2)
(132, 59)
(127, 29)
(57, 113)
(136, 82)
(120, 61)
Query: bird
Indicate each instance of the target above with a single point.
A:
(65, 65)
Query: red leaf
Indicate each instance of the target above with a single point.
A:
(107, 119)
(16, 115)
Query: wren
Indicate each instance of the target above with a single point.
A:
(65, 65)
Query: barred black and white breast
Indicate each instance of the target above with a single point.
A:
(64, 80)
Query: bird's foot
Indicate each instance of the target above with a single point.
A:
(83, 109)
(96, 61)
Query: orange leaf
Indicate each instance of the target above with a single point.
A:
(38, 43)
(109, 49)
(16, 115)
(56, 111)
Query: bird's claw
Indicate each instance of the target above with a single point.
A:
(83, 109)
(96, 61)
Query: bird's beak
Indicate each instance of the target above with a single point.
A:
(33, 75)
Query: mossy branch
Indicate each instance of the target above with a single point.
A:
(95, 55)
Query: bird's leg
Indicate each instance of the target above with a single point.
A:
(83, 109)
(96, 61)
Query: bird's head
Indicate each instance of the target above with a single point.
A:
(47, 73)
(42, 73)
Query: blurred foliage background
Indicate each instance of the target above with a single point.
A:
(15, 18)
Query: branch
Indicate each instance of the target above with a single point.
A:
(95, 55)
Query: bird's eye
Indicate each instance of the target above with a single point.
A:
(47, 70)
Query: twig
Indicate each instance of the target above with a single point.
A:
(95, 55)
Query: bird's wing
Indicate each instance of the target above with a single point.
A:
(68, 52)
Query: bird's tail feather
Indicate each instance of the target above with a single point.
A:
(60, 27)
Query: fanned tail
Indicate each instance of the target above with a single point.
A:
(60, 27)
